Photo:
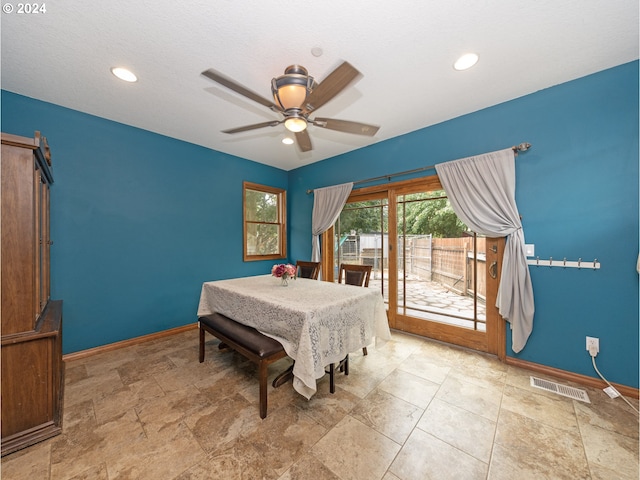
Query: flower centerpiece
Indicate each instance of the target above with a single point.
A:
(284, 272)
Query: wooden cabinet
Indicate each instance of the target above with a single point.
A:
(31, 323)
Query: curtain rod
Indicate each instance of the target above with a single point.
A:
(523, 147)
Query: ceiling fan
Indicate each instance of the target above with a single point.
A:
(296, 96)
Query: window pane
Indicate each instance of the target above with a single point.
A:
(261, 206)
(262, 239)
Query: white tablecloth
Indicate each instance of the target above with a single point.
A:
(317, 323)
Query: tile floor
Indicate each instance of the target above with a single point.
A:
(414, 409)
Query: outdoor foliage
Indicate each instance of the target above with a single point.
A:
(262, 227)
(418, 214)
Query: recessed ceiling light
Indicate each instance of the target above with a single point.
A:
(124, 74)
(316, 51)
(467, 60)
(287, 141)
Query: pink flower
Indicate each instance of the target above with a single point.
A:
(282, 270)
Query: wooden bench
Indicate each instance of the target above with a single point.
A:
(247, 341)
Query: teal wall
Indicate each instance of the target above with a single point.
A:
(138, 221)
(577, 191)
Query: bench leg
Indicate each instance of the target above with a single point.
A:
(262, 367)
(284, 377)
(201, 344)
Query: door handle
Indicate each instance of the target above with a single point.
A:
(493, 269)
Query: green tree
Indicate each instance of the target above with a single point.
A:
(421, 214)
(430, 216)
(262, 218)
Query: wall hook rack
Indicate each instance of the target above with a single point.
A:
(594, 265)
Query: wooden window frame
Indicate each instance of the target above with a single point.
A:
(496, 337)
(281, 221)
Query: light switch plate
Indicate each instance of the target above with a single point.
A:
(530, 250)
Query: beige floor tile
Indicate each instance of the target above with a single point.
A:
(309, 467)
(30, 464)
(480, 374)
(354, 451)
(426, 367)
(92, 387)
(476, 399)
(441, 352)
(238, 462)
(556, 412)
(390, 476)
(609, 450)
(74, 373)
(82, 447)
(425, 456)
(284, 437)
(388, 415)
(159, 413)
(326, 408)
(157, 457)
(608, 413)
(360, 382)
(134, 371)
(97, 472)
(413, 409)
(125, 398)
(460, 428)
(221, 424)
(526, 448)
(410, 388)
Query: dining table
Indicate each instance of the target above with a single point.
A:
(318, 323)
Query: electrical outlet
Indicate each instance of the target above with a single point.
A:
(593, 343)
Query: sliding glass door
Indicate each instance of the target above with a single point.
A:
(438, 278)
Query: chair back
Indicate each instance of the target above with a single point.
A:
(308, 269)
(354, 274)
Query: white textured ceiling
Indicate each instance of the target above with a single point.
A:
(404, 49)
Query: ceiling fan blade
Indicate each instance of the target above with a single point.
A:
(255, 126)
(331, 86)
(304, 141)
(346, 126)
(236, 87)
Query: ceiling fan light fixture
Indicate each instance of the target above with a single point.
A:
(295, 123)
(291, 89)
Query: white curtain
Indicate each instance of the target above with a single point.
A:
(327, 205)
(481, 190)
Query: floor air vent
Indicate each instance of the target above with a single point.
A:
(560, 389)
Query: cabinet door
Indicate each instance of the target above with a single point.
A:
(42, 246)
(27, 396)
(18, 256)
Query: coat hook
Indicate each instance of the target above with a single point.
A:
(579, 260)
(594, 263)
(551, 261)
(537, 261)
(564, 262)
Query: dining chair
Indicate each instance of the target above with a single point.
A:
(355, 275)
(308, 269)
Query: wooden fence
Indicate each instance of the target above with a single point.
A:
(448, 261)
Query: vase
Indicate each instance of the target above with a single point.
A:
(284, 282)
